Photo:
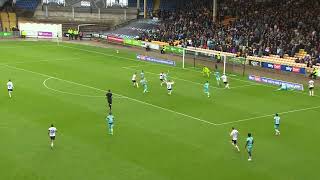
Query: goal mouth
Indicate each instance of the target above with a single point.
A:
(226, 63)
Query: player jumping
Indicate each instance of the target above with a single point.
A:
(249, 146)
(277, 124)
(10, 88)
(234, 134)
(144, 85)
(134, 80)
(52, 134)
(311, 87)
(225, 81)
(206, 88)
(110, 119)
(169, 86)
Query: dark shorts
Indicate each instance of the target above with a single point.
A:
(169, 89)
(225, 82)
(52, 137)
(311, 88)
(10, 90)
(161, 79)
(134, 81)
(234, 142)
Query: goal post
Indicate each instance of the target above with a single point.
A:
(198, 58)
(227, 63)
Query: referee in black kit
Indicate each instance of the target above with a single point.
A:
(109, 98)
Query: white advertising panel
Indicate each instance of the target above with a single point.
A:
(41, 30)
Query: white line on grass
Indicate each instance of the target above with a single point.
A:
(131, 59)
(173, 77)
(24, 62)
(64, 92)
(141, 65)
(132, 99)
(263, 116)
(165, 109)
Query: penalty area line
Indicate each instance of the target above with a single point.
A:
(132, 99)
(268, 115)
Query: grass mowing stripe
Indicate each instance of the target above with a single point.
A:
(173, 77)
(136, 100)
(263, 116)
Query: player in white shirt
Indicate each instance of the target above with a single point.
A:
(134, 80)
(234, 134)
(225, 81)
(277, 124)
(311, 87)
(162, 78)
(10, 88)
(52, 134)
(169, 86)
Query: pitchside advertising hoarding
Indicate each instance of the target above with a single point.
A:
(156, 60)
(114, 39)
(6, 34)
(173, 49)
(41, 30)
(275, 82)
(132, 42)
(283, 67)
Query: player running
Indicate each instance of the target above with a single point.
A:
(206, 88)
(52, 134)
(142, 74)
(249, 146)
(234, 134)
(218, 79)
(161, 78)
(225, 81)
(169, 86)
(110, 121)
(134, 80)
(143, 82)
(311, 87)
(277, 124)
(10, 88)
(109, 99)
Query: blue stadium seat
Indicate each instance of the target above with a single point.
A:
(27, 4)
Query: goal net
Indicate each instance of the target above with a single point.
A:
(227, 63)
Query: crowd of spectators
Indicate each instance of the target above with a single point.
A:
(275, 27)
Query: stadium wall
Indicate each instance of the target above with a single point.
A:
(116, 16)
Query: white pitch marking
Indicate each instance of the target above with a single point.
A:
(63, 92)
(263, 116)
(173, 77)
(24, 62)
(141, 65)
(136, 100)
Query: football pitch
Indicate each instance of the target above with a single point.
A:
(185, 136)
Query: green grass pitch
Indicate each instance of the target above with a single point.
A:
(184, 136)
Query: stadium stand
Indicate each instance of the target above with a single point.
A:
(27, 4)
(135, 28)
(259, 29)
(5, 21)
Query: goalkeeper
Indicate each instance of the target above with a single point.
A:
(284, 87)
(206, 71)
